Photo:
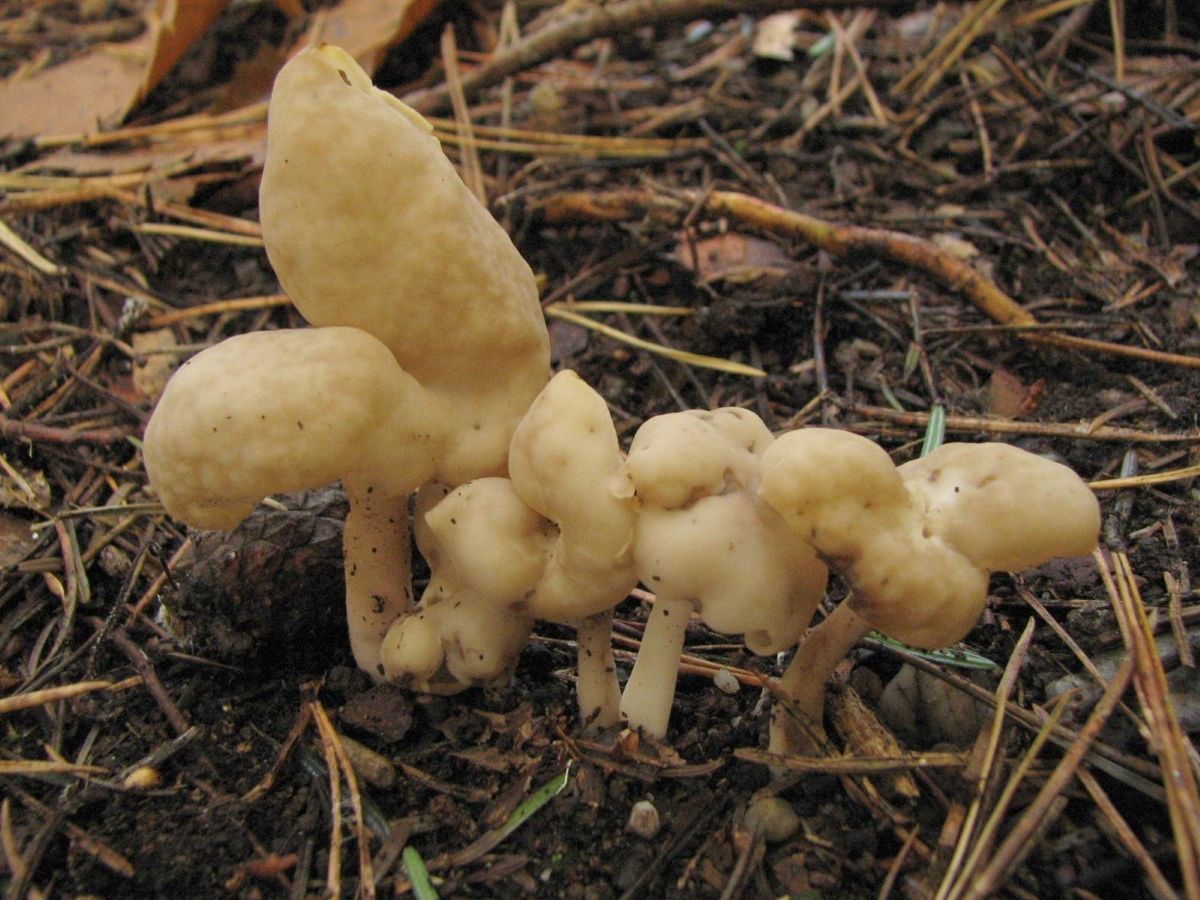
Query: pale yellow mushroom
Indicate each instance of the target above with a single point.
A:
(706, 544)
(276, 411)
(431, 346)
(915, 544)
(367, 224)
(551, 543)
(485, 550)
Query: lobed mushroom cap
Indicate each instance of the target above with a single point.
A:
(1002, 507)
(739, 566)
(285, 410)
(490, 539)
(704, 537)
(917, 544)
(562, 460)
(678, 457)
(832, 487)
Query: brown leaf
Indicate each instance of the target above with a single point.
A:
(367, 28)
(98, 89)
(725, 254)
(1011, 398)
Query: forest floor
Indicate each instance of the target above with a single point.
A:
(172, 700)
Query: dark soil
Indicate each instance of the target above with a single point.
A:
(242, 643)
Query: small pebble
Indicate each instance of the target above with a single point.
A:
(775, 817)
(725, 681)
(643, 820)
(143, 778)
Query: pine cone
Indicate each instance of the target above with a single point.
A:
(272, 591)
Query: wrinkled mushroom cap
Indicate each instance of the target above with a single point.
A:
(917, 544)
(1002, 507)
(704, 537)
(738, 565)
(678, 457)
(490, 539)
(276, 411)
(562, 461)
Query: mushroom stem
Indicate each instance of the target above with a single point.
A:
(804, 680)
(377, 561)
(646, 702)
(598, 691)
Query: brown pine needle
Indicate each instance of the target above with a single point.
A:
(218, 307)
(46, 767)
(338, 761)
(683, 356)
(1080, 431)
(1046, 805)
(1166, 737)
(198, 234)
(17, 702)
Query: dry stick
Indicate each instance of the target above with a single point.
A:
(218, 306)
(837, 240)
(48, 434)
(16, 702)
(1042, 811)
(587, 23)
(142, 664)
(1166, 737)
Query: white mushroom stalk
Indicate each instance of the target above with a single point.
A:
(706, 544)
(368, 226)
(915, 544)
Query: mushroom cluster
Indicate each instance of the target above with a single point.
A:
(427, 372)
(429, 348)
(707, 544)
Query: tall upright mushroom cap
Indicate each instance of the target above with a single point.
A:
(562, 459)
(363, 215)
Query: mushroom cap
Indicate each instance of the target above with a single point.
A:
(678, 457)
(705, 538)
(490, 539)
(486, 549)
(1002, 507)
(452, 641)
(916, 544)
(367, 224)
(830, 485)
(736, 562)
(285, 410)
(562, 460)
